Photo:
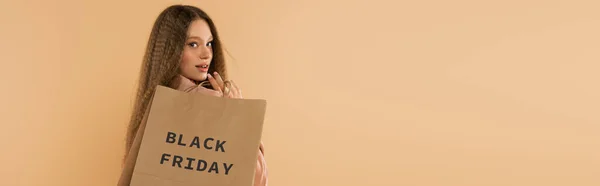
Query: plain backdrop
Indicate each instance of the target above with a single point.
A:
(360, 92)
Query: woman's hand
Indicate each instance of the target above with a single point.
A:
(228, 88)
(261, 172)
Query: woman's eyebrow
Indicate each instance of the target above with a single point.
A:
(196, 37)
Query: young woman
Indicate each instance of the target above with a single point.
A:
(184, 52)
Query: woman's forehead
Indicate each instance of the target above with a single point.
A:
(199, 29)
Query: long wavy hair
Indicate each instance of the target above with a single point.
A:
(163, 56)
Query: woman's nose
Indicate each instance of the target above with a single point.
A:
(205, 53)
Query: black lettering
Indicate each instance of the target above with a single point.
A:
(201, 163)
(214, 167)
(227, 168)
(171, 137)
(177, 160)
(189, 166)
(164, 158)
(206, 143)
(180, 139)
(220, 145)
(196, 142)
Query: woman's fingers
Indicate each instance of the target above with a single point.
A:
(228, 88)
(261, 160)
(261, 147)
(219, 80)
(237, 93)
(261, 177)
(214, 83)
(231, 90)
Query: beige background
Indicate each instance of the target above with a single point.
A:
(372, 92)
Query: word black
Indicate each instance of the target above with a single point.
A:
(218, 145)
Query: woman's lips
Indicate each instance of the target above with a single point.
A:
(202, 68)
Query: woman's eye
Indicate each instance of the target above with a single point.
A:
(193, 44)
(209, 44)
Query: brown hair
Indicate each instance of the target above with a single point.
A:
(163, 55)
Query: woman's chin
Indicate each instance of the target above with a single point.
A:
(203, 77)
(200, 77)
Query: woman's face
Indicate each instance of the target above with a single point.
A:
(197, 53)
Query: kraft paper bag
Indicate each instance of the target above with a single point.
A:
(195, 140)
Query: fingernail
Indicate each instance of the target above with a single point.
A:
(209, 76)
(216, 73)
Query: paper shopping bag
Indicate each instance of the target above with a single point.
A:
(195, 140)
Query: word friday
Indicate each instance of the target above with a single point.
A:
(200, 165)
(190, 163)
